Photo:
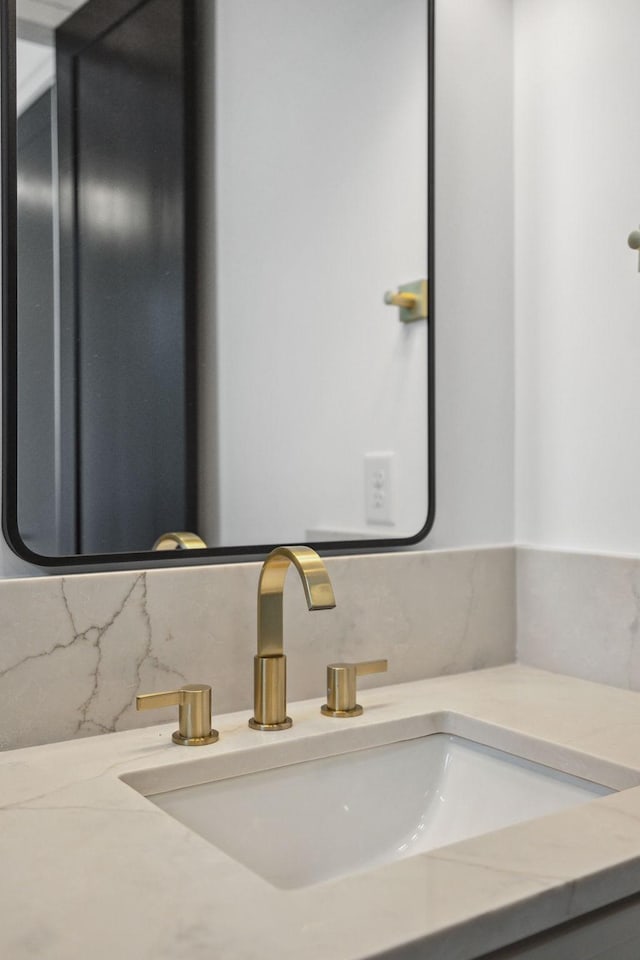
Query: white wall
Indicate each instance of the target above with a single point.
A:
(577, 84)
(474, 273)
(320, 206)
(474, 244)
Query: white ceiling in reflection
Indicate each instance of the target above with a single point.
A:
(45, 13)
(35, 72)
(36, 21)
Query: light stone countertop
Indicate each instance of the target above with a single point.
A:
(91, 868)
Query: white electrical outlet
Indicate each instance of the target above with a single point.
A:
(378, 487)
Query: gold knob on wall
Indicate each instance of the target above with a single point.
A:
(634, 242)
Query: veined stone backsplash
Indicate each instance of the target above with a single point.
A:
(75, 651)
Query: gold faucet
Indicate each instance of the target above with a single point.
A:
(270, 663)
(180, 540)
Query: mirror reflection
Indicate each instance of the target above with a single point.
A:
(213, 200)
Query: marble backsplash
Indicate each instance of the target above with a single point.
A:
(579, 614)
(75, 650)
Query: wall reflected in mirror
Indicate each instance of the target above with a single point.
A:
(213, 199)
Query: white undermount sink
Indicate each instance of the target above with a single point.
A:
(301, 824)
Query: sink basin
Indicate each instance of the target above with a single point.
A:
(321, 819)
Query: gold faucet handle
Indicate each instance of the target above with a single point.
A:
(194, 712)
(341, 686)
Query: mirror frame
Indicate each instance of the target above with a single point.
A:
(8, 233)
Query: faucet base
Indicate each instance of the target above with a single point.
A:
(181, 740)
(326, 710)
(286, 723)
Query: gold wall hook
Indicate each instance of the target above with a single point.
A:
(412, 299)
(634, 242)
(181, 540)
(341, 686)
(194, 712)
(407, 300)
(270, 664)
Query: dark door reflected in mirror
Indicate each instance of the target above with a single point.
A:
(212, 200)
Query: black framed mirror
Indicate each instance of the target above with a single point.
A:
(218, 276)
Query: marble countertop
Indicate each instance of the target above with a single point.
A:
(90, 867)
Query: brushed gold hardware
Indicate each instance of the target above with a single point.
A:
(194, 712)
(182, 540)
(270, 664)
(412, 299)
(407, 300)
(341, 686)
(634, 242)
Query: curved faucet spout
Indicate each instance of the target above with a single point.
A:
(270, 670)
(317, 590)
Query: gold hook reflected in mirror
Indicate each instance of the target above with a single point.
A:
(412, 299)
(179, 541)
